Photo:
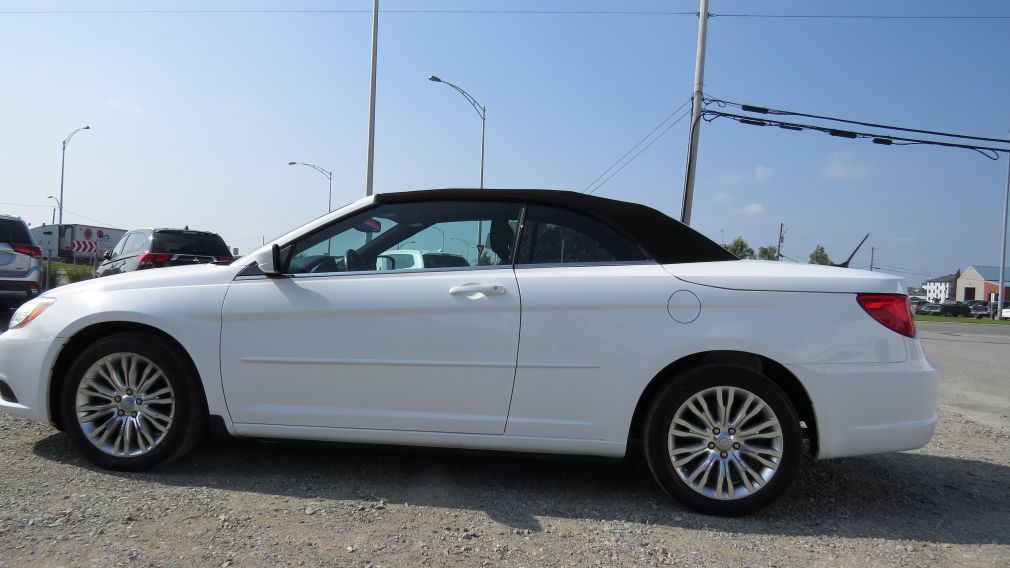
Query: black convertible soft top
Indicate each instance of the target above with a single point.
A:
(664, 239)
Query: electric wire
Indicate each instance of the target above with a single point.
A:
(351, 11)
(862, 17)
(639, 143)
(884, 139)
(777, 112)
(953, 17)
(639, 153)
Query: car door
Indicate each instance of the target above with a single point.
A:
(335, 343)
(591, 303)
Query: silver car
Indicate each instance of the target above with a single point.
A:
(20, 263)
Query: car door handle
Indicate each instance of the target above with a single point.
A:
(467, 289)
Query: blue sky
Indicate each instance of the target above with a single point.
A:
(195, 116)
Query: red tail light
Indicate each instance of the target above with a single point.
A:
(153, 259)
(891, 310)
(225, 258)
(31, 250)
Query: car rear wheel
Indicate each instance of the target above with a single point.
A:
(130, 402)
(723, 440)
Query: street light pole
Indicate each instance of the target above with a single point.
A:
(325, 172)
(63, 163)
(57, 206)
(370, 158)
(481, 112)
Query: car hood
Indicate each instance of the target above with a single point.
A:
(772, 276)
(172, 276)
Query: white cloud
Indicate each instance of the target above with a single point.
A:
(762, 172)
(754, 209)
(723, 198)
(122, 106)
(843, 165)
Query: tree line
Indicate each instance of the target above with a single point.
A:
(741, 249)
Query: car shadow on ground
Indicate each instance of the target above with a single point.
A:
(900, 496)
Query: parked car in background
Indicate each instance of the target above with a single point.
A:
(596, 327)
(915, 304)
(929, 309)
(981, 310)
(954, 309)
(140, 249)
(20, 263)
(420, 259)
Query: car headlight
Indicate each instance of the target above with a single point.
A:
(31, 310)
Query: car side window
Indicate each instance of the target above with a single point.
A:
(118, 251)
(426, 235)
(135, 243)
(557, 236)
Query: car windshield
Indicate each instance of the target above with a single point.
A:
(13, 232)
(189, 242)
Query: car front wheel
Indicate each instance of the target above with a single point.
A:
(130, 402)
(723, 440)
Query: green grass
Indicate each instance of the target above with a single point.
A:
(948, 319)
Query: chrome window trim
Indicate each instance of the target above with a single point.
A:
(377, 272)
(647, 261)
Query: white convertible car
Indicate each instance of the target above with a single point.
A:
(576, 325)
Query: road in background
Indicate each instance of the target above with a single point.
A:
(974, 361)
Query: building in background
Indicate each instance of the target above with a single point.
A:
(942, 287)
(979, 282)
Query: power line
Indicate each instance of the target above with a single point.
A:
(765, 110)
(639, 143)
(506, 12)
(639, 153)
(351, 11)
(861, 17)
(883, 139)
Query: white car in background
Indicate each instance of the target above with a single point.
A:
(594, 322)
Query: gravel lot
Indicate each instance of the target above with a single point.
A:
(236, 503)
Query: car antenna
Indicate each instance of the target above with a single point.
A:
(848, 260)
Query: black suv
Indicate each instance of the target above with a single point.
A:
(154, 248)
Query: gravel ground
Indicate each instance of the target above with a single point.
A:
(239, 503)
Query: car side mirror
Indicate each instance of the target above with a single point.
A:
(107, 255)
(384, 262)
(269, 260)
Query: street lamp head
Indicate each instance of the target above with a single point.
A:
(292, 163)
(86, 128)
(434, 78)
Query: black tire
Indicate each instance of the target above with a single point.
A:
(678, 390)
(189, 417)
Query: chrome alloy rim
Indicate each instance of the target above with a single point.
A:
(725, 443)
(125, 405)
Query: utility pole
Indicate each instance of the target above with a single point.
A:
(699, 83)
(1002, 255)
(782, 236)
(872, 250)
(371, 101)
